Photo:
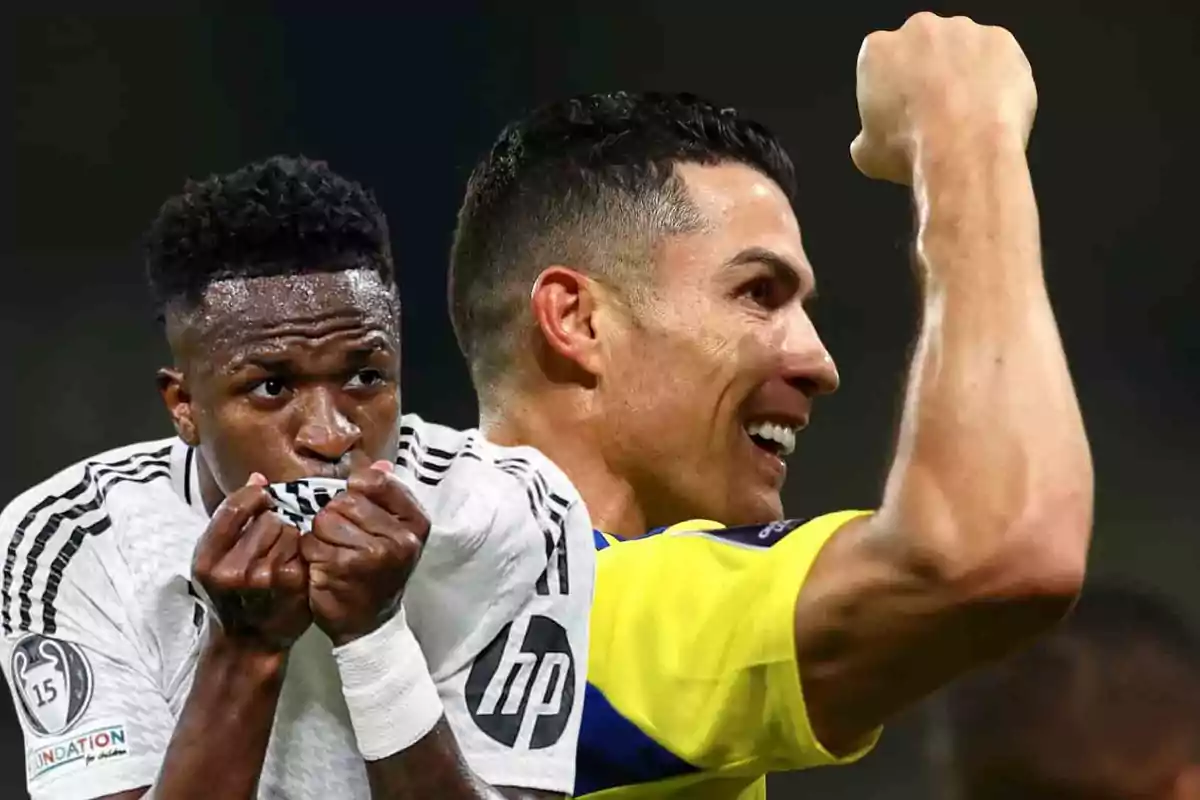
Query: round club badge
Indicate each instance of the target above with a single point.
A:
(54, 683)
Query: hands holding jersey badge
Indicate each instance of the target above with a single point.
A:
(267, 583)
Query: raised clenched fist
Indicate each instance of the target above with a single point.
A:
(936, 85)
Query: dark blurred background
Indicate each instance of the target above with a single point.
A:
(113, 111)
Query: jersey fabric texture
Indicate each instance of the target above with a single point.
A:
(102, 625)
(693, 687)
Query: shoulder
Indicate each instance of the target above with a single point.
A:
(89, 480)
(457, 467)
(45, 527)
(707, 534)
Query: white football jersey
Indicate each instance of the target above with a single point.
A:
(102, 625)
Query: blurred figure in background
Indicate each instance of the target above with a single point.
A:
(1106, 708)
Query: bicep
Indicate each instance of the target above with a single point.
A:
(878, 628)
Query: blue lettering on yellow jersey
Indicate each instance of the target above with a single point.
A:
(693, 689)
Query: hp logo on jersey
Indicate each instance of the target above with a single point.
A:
(521, 689)
(53, 680)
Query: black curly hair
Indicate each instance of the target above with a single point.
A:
(587, 182)
(279, 216)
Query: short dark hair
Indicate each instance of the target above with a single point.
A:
(587, 182)
(279, 216)
(1108, 706)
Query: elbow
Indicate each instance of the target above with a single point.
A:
(1033, 566)
(1024, 568)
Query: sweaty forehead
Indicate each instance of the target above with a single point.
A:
(740, 202)
(239, 308)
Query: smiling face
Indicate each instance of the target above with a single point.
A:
(290, 376)
(705, 392)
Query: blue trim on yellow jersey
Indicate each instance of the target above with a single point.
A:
(757, 536)
(612, 750)
(615, 752)
(696, 692)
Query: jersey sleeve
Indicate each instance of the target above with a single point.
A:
(500, 604)
(94, 718)
(694, 638)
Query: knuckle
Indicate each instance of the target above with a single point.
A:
(227, 577)
(347, 560)
(292, 574)
(259, 578)
(875, 40)
(379, 551)
(309, 547)
(922, 20)
(408, 546)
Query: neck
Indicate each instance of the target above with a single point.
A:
(558, 427)
(210, 492)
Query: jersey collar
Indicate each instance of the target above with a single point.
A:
(185, 475)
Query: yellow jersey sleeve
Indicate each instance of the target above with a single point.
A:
(693, 642)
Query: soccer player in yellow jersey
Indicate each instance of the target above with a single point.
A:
(628, 285)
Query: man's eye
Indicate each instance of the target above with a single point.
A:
(366, 379)
(763, 292)
(270, 388)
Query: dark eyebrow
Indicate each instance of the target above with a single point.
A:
(274, 359)
(799, 276)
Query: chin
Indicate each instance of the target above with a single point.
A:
(760, 509)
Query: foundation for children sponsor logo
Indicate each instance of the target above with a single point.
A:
(89, 747)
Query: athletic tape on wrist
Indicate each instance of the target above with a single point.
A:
(392, 699)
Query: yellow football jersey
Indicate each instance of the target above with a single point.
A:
(693, 688)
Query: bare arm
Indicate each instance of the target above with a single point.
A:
(434, 768)
(361, 551)
(981, 539)
(220, 742)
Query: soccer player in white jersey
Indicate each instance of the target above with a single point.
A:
(170, 631)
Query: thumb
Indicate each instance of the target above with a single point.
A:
(860, 154)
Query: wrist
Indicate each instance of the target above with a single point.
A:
(952, 153)
(392, 699)
(245, 656)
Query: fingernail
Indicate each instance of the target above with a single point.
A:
(382, 466)
(256, 479)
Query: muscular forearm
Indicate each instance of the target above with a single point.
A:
(434, 768)
(992, 451)
(219, 744)
(981, 539)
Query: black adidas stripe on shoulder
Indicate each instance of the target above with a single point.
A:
(84, 497)
(430, 464)
(550, 510)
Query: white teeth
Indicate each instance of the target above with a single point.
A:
(781, 435)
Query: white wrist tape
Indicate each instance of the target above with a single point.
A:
(392, 699)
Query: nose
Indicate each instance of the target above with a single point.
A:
(808, 366)
(325, 433)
